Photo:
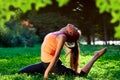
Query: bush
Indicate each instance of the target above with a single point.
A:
(18, 35)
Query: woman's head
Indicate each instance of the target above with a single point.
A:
(73, 34)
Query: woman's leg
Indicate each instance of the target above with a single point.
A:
(97, 54)
(32, 69)
(60, 69)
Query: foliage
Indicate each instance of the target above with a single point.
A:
(18, 35)
(117, 29)
(24, 5)
(112, 7)
(13, 59)
(15, 7)
(62, 2)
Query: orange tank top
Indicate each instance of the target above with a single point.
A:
(48, 47)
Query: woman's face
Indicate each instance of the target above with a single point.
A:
(72, 33)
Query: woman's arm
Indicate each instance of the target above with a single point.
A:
(61, 40)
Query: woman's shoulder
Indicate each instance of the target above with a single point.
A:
(61, 35)
(55, 34)
(58, 33)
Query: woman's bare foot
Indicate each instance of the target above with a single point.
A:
(99, 53)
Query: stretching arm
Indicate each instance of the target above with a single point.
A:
(61, 40)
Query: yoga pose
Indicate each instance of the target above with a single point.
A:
(50, 53)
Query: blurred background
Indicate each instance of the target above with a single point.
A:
(99, 20)
(24, 23)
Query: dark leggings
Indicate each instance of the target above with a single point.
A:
(58, 69)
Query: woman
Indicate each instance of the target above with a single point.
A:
(50, 52)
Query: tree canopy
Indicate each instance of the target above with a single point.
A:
(11, 7)
(112, 7)
(7, 6)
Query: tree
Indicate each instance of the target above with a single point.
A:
(10, 7)
(112, 7)
(46, 22)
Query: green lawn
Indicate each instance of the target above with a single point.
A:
(13, 59)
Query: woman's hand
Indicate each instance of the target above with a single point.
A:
(46, 75)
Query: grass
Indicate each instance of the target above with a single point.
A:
(13, 59)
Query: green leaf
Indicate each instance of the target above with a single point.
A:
(102, 5)
(62, 2)
(117, 30)
(115, 16)
(47, 2)
(39, 4)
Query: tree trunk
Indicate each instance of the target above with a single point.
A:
(88, 40)
(93, 36)
(105, 32)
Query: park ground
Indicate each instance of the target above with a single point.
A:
(13, 59)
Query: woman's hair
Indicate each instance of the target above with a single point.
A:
(74, 53)
(74, 56)
(73, 35)
(72, 32)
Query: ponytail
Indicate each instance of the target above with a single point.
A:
(74, 56)
(73, 35)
